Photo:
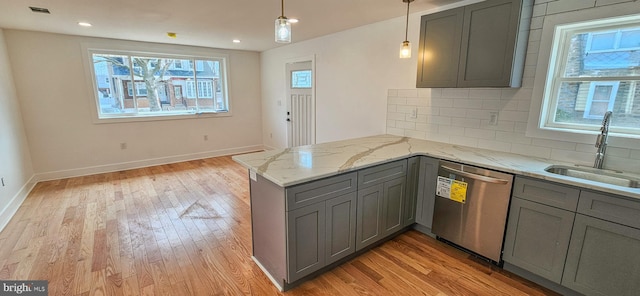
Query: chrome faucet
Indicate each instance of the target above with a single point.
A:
(601, 141)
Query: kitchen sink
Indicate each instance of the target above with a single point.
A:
(599, 175)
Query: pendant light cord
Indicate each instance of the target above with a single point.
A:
(406, 30)
(282, 8)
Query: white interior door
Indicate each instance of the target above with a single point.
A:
(301, 128)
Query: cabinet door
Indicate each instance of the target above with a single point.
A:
(427, 190)
(392, 206)
(413, 175)
(369, 216)
(488, 43)
(439, 50)
(603, 258)
(341, 227)
(306, 240)
(537, 238)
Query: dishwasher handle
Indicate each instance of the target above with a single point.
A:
(475, 176)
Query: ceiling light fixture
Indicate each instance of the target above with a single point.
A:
(293, 21)
(283, 28)
(84, 24)
(236, 40)
(405, 47)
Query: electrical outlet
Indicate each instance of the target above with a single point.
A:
(414, 113)
(493, 118)
(123, 146)
(206, 137)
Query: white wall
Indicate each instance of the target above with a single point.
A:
(15, 162)
(51, 83)
(354, 70)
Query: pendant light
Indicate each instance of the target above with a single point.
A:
(283, 28)
(405, 47)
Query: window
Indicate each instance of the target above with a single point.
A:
(301, 79)
(594, 68)
(148, 85)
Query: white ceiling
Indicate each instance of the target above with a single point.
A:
(210, 23)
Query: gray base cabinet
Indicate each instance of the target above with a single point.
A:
(380, 211)
(537, 238)
(301, 230)
(411, 196)
(603, 258)
(426, 190)
(320, 234)
(587, 241)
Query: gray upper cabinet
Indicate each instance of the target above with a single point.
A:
(426, 190)
(479, 45)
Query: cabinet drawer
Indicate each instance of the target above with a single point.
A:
(610, 207)
(321, 190)
(382, 173)
(548, 193)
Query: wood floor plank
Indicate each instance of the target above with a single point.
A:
(185, 229)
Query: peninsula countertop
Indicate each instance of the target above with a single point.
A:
(292, 166)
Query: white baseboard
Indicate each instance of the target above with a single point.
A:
(142, 163)
(12, 206)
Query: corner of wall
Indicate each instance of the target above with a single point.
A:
(16, 201)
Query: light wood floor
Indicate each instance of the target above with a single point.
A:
(184, 229)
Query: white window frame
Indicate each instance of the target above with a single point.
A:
(616, 42)
(162, 52)
(543, 84)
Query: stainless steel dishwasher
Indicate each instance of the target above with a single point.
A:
(471, 208)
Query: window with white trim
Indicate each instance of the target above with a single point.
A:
(594, 68)
(146, 85)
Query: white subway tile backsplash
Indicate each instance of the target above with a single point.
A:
(478, 114)
(396, 101)
(418, 101)
(491, 104)
(430, 128)
(395, 131)
(455, 93)
(418, 119)
(512, 137)
(572, 156)
(480, 133)
(429, 92)
(618, 152)
(484, 93)
(518, 116)
(531, 150)
(408, 93)
(451, 130)
(442, 103)
(569, 5)
(396, 116)
(609, 2)
(415, 134)
(467, 103)
(406, 125)
(635, 154)
(494, 145)
(392, 93)
(464, 141)
(520, 127)
(391, 123)
(539, 9)
(466, 122)
(555, 144)
(453, 112)
(444, 120)
(392, 108)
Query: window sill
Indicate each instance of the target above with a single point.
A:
(142, 118)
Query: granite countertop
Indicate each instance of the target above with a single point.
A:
(291, 166)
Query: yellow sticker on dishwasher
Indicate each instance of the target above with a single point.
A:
(458, 191)
(452, 189)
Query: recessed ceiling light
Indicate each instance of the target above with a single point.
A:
(39, 9)
(292, 20)
(84, 24)
(236, 40)
(172, 35)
